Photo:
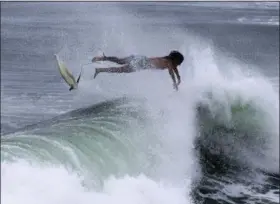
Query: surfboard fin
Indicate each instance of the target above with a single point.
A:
(71, 88)
(78, 79)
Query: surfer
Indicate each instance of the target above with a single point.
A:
(135, 63)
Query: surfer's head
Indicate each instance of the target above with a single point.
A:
(176, 57)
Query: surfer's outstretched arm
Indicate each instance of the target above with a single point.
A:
(123, 69)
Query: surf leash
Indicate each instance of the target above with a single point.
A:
(82, 66)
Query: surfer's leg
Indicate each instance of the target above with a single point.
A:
(116, 60)
(123, 69)
(112, 59)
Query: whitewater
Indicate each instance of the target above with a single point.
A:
(130, 138)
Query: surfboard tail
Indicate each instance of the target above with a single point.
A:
(78, 79)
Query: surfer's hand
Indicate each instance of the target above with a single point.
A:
(179, 81)
(175, 86)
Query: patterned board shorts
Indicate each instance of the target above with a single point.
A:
(138, 62)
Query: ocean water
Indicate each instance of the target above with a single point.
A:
(130, 138)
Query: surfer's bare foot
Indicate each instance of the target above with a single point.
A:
(98, 58)
(96, 73)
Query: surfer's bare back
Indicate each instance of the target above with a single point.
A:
(135, 63)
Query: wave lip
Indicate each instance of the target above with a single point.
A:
(97, 152)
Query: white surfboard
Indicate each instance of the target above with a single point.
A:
(66, 74)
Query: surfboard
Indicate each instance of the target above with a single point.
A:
(66, 74)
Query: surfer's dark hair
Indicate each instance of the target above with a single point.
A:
(176, 57)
